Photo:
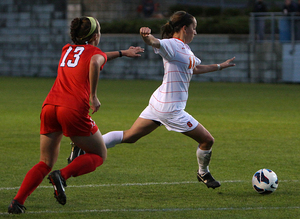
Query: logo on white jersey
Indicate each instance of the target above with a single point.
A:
(192, 62)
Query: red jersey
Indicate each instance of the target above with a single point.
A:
(71, 88)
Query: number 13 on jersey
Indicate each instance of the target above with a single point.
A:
(77, 52)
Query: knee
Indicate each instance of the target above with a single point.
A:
(103, 154)
(207, 143)
(99, 161)
(210, 141)
(101, 151)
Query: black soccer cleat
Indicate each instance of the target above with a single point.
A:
(208, 180)
(75, 152)
(16, 208)
(59, 185)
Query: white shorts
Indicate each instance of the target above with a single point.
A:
(179, 121)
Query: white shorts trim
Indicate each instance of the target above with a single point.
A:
(178, 121)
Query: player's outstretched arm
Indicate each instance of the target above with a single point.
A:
(201, 69)
(133, 51)
(130, 52)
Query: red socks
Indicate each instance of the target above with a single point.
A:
(32, 180)
(83, 164)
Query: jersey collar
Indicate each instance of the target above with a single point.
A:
(178, 39)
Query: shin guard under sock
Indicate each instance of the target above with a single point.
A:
(83, 164)
(32, 180)
(203, 158)
(113, 138)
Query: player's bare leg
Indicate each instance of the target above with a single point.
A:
(139, 129)
(203, 153)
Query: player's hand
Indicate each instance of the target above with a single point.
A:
(149, 39)
(145, 31)
(227, 63)
(95, 104)
(133, 51)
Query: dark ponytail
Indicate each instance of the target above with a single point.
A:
(177, 21)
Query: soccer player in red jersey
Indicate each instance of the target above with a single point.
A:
(65, 111)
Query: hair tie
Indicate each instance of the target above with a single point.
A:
(93, 27)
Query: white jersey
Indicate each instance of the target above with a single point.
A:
(179, 62)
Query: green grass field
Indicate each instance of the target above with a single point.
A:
(255, 126)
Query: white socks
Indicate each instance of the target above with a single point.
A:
(203, 157)
(113, 138)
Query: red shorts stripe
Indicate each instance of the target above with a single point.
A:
(66, 120)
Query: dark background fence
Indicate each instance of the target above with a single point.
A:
(32, 34)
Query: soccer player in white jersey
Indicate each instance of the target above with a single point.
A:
(167, 103)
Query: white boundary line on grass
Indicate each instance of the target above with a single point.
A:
(153, 210)
(160, 210)
(141, 184)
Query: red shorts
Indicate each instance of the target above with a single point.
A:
(69, 121)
